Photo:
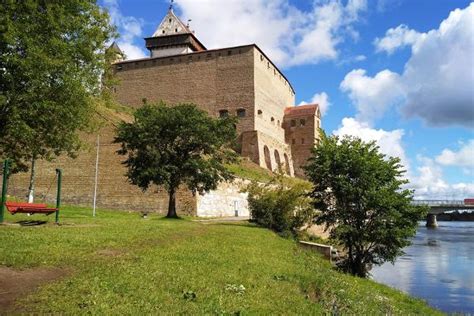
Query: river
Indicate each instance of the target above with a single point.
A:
(438, 267)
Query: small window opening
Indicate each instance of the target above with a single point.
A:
(223, 113)
(169, 20)
(302, 122)
(273, 120)
(293, 123)
(261, 57)
(302, 141)
(176, 30)
(259, 112)
(241, 112)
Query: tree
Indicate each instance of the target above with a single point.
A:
(52, 54)
(177, 145)
(282, 204)
(359, 194)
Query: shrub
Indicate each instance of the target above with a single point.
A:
(281, 205)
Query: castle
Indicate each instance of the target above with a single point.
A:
(240, 81)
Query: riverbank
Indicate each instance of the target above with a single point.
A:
(120, 263)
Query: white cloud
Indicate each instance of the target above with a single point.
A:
(396, 38)
(287, 34)
(428, 179)
(437, 81)
(322, 99)
(429, 183)
(129, 28)
(390, 142)
(372, 95)
(462, 158)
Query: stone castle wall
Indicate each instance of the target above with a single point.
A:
(114, 191)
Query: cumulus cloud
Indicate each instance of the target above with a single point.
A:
(396, 38)
(129, 28)
(390, 142)
(322, 99)
(436, 84)
(464, 157)
(372, 95)
(290, 36)
(429, 183)
(427, 179)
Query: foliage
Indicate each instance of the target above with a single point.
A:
(51, 58)
(279, 205)
(175, 145)
(120, 264)
(360, 194)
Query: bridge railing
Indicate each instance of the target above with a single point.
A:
(437, 202)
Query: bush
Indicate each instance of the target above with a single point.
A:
(281, 205)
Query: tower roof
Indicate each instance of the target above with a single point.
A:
(171, 25)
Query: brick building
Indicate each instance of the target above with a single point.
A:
(239, 81)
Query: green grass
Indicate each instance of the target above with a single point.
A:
(180, 266)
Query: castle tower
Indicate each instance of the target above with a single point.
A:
(172, 37)
(116, 53)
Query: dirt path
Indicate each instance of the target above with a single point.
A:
(15, 284)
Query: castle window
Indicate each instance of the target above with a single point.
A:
(278, 122)
(261, 57)
(302, 141)
(302, 122)
(241, 112)
(223, 113)
(163, 32)
(259, 112)
(273, 120)
(169, 20)
(176, 30)
(293, 123)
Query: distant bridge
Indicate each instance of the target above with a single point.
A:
(441, 206)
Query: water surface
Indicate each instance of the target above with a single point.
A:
(438, 267)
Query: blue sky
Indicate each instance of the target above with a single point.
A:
(399, 72)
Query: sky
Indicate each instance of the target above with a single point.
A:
(398, 72)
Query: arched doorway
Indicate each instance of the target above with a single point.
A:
(277, 159)
(266, 153)
(287, 164)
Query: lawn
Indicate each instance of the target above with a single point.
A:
(119, 263)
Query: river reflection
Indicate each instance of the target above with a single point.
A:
(438, 267)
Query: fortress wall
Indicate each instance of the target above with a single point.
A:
(215, 80)
(270, 157)
(301, 139)
(225, 200)
(114, 191)
(273, 94)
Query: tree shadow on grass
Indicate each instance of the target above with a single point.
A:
(31, 223)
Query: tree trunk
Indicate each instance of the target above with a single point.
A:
(31, 188)
(172, 204)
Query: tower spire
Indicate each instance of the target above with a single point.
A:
(171, 5)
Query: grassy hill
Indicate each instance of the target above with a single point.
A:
(119, 263)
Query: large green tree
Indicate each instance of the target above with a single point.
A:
(177, 145)
(52, 54)
(359, 193)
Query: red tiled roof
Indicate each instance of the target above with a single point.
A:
(300, 110)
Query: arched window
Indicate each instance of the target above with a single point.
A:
(259, 113)
(268, 161)
(241, 112)
(223, 113)
(287, 164)
(273, 120)
(277, 159)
